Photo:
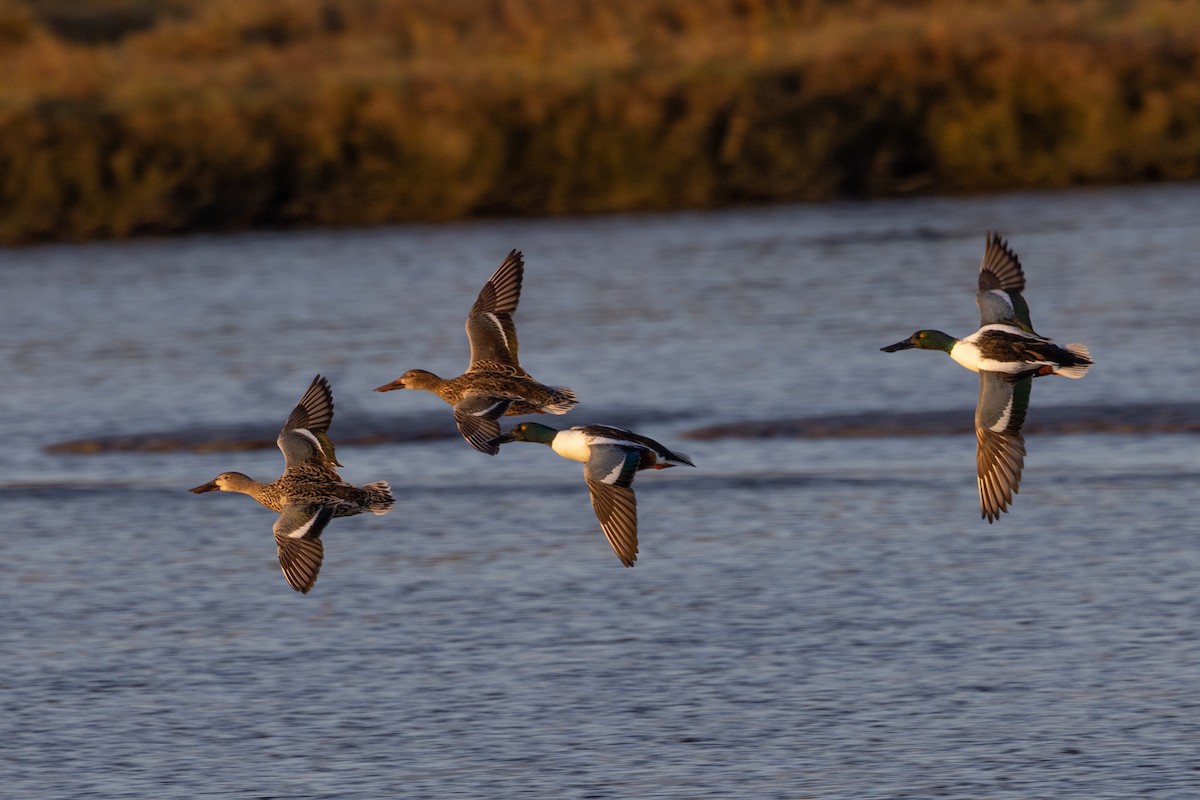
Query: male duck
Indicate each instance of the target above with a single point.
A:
(494, 384)
(1008, 354)
(611, 457)
(310, 492)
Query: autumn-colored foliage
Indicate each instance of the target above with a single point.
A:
(120, 117)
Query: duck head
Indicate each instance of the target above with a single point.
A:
(528, 432)
(225, 482)
(413, 379)
(923, 340)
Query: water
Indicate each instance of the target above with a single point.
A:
(809, 618)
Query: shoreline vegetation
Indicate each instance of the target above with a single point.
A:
(129, 117)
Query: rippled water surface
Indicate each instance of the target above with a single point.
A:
(808, 618)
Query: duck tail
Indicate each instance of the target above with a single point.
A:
(561, 401)
(379, 497)
(1083, 361)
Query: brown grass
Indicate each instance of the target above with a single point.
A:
(120, 117)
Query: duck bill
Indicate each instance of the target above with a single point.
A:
(505, 439)
(893, 348)
(387, 387)
(211, 486)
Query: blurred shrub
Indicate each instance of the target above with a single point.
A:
(96, 21)
(222, 114)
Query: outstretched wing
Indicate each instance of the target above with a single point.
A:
(315, 410)
(305, 438)
(298, 540)
(490, 327)
(1001, 282)
(1000, 453)
(609, 472)
(616, 508)
(476, 416)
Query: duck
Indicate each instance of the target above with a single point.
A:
(494, 384)
(611, 458)
(1008, 354)
(310, 492)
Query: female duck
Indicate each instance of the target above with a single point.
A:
(494, 384)
(310, 492)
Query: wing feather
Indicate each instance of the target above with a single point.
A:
(490, 327)
(616, 509)
(305, 436)
(298, 541)
(1001, 283)
(477, 418)
(1000, 450)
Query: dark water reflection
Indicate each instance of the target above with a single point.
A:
(809, 618)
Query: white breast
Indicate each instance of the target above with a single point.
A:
(967, 354)
(572, 444)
